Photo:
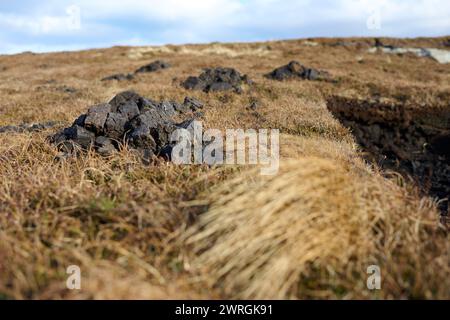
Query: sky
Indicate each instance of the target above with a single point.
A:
(60, 25)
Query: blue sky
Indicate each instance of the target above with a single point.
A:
(55, 25)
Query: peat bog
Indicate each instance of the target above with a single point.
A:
(407, 139)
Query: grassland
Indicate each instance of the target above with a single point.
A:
(166, 231)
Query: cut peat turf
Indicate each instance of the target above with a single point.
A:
(295, 70)
(411, 140)
(144, 124)
(217, 79)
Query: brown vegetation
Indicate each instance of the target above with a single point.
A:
(168, 231)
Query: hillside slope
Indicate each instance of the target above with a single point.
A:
(163, 231)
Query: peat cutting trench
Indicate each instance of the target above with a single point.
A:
(413, 141)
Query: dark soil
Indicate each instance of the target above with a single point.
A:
(411, 140)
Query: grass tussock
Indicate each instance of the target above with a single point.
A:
(311, 232)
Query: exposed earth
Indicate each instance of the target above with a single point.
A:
(403, 138)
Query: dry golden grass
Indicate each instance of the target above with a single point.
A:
(167, 231)
(86, 211)
(312, 230)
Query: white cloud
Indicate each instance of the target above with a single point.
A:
(45, 24)
(167, 10)
(196, 14)
(37, 25)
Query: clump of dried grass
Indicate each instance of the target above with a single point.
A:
(113, 213)
(312, 230)
(202, 50)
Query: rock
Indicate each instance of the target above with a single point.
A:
(147, 104)
(26, 127)
(104, 146)
(168, 108)
(80, 120)
(192, 103)
(194, 83)
(142, 138)
(187, 124)
(58, 137)
(144, 124)
(180, 107)
(440, 55)
(218, 79)
(220, 86)
(420, 52)
(115, 125)
(296, 70)
(123, 98)
(161, 133)
(10, 128)
(149, 118)
(311, 74)
(284, 72)
(154, 66)
(95, 118)
(119, 77)
(151, 67)
(199, 114)
(42, 126)
(129, 110)
(80, 135)
(188, 106)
